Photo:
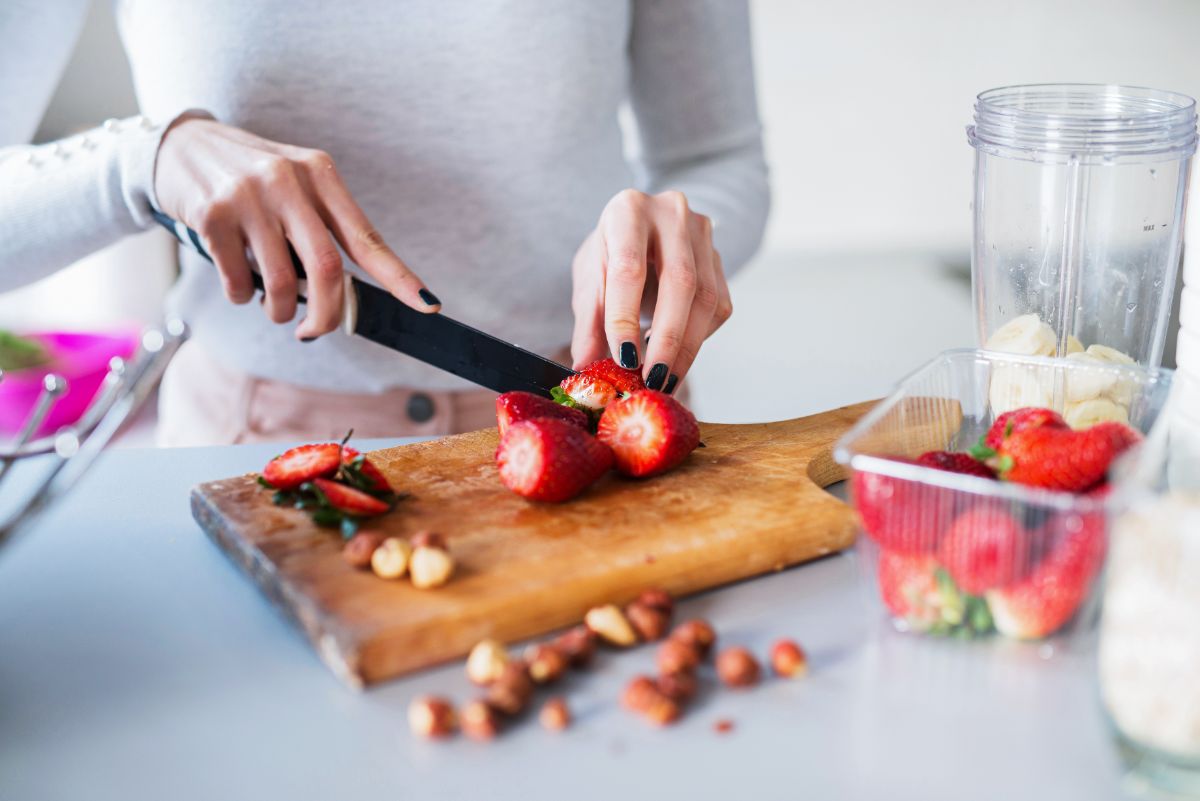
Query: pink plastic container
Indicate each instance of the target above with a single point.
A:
(81, 358)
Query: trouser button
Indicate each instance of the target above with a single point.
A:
(420, 407)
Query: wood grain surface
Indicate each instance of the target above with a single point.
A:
(749, 502)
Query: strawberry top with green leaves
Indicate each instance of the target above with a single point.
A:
(649, 432)
(513, 407)
(626, 381)
(1062, 458)
(550, 460)
(586, 391)
(295, 466)
(362, 473)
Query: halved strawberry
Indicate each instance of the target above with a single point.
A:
(550, 460)
(373, 478)
(295, 466)
(1019, 420)
(1054, 590)
(513, 407)
(626, 381)
(911, 591)
(349, 500)
(589, 391)
(985, 548)
(952, 462)
(649, 432)
(901, 515)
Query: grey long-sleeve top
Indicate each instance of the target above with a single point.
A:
(481, 138)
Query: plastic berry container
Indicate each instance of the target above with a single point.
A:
(962, 555)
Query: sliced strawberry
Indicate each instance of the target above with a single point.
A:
(589, 391)
(373, 478)
(951, 462)
(513, 407)
(649, 432)
(1055, 589)
(1018, 420)
(627, 382)
(550, 460)
(911, 591)
(985, 548)
(901, 515)
(293, 467)
(1063, 459)
(349, 500)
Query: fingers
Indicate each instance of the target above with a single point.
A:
(626, 238)
(588, 343)
(270, 250)
(361, 241)
(224, 242)
(704, 303)
(724, 308)
(680, 261)
(323, 268)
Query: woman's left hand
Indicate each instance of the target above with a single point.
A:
(649, 254)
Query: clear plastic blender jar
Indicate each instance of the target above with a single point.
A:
(1079, 201)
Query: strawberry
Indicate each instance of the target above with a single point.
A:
(901, 515)
(985, 548)
(914, 594)
(963, 463)
(587, 391)
(649, 432)
(513, 407)
(1018, 420)
(349, 500)
(626, 382)
(550, 460)
(297, 465)
(1055, 589)
(1064, 459)
(371, 477)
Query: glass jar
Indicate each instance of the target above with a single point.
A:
(1078, 214)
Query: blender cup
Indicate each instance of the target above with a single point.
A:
(1079, 201)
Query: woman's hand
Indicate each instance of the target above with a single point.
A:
(654, 255)
(243, 193)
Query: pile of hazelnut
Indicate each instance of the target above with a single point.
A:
(510, 682)
(426, 559)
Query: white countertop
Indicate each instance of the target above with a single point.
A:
(137, 663)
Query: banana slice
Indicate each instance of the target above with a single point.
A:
(1018, 386)
(1026, 335)
(1074, 345)
(1088, 413)
(1110, 355)
(1087, 384)
(1122, 389)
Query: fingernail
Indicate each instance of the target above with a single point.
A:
(308, 339)
(629, 358)
(658, 374)
(671, 382)
(429, 298)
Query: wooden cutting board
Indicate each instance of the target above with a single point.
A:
(749, 502)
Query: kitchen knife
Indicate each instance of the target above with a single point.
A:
(435, 339)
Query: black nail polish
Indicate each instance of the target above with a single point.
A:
(658, 374)
(429, 298)
(671, 382)
(629, 358)
(306, 340)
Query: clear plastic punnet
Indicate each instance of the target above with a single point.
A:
(1080, 192)
(961, 555)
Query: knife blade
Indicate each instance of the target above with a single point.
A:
(438, 340)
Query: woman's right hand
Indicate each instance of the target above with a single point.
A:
(242, 192)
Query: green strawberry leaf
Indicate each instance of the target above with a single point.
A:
(559, 395)
(1004, 464)
(979, 617)
(262, 482)
(327, 517)
(981, 451)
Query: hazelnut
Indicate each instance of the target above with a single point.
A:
(428, 539)
(788, 660)
(737, 667)
(679, 687)
(638, 694)
(545, 663)
(358, 549)
(430, 567)
(657, 599)
(611, 625)
(649, 622)
(391, 559)
(431, 716)
(676, 656)
(578, 645)
(698, 633)
(511, 691)
(662, 710)
(555, 715)
(479, 721)
(486, 662)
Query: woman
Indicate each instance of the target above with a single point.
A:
(456, 154)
